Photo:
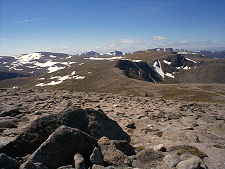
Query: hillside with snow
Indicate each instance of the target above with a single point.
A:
(92, 70)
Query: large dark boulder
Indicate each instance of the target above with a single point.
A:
(61, 146)
(92, 122)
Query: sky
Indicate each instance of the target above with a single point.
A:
(75, 26)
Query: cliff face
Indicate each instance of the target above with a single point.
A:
(158, 70)
(138, 70)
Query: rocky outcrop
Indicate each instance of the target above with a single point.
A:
(93, 122)
(138, 70)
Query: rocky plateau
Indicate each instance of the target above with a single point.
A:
(42, 129)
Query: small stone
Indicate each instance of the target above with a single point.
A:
(191, 163)
(96, 157)
(171, 160)
(79, 161)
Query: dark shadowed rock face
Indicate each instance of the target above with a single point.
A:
(138, 70)
(90, 121)
(61, 146)
(8, 162)
(179, 60)
(32, 137)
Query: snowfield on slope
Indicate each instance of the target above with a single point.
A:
(60, 79)
(157, 67)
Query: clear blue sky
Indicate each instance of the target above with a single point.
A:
(73, 26)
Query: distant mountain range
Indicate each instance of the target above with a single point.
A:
(93, 53)
(159, 65)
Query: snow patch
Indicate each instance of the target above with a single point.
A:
(73, 73)
(166, 62)
(70, 63)
(27, 58)
(54, 69)
(49, 63)
(190, 60)
(157, 67)
(169, 75)
(52, 56)
(17, 69)
(136, 60)
(60, 79)
(132, 60)
(112, 58)
(186, 68)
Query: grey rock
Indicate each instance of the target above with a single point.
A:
(172, 116)
(8, 123)
(191, 163)
(79, 161)
(59, 149)
(171, 160)
(110, 153)
(186, 156)
(96, 157)
(147, 158)
(8, 162)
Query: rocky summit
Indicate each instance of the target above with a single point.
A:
(48, 129)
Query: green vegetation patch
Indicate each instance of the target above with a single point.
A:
(184, 149)
(190, 95)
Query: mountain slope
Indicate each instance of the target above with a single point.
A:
(104, 73)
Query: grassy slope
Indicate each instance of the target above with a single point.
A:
(104, 77)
